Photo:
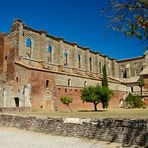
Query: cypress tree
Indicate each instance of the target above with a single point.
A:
(105, 79)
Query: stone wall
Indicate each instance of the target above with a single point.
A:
(1, 52)
(40, 42)
(133, 67)
(124, 131)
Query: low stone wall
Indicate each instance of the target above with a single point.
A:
(125, 131)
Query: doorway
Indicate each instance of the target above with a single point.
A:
(16, 102)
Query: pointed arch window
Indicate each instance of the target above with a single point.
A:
(47, 83)
(79, 61)
(50, 53)
(69, 82)
(136, 72)
(90, 64)
(85, 84)
(108, 69)
(65, 58)
(123, 72)
(100, 67)
(28, 42)
(49, 49)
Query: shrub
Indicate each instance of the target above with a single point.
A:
(134, 101)
(66, 100)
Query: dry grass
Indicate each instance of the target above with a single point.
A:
(100, 114)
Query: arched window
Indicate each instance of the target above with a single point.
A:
(132, 90)
(65, 58)
(85, 84)
(47, 83)
(28, 42)
(135, 64)
(108, 69)
(123, 73)
(90, 64)
(49, 49)
(50, 53)
(79, 61)
(69, 82)
(17, 79)
(136, 72)
(100, 67)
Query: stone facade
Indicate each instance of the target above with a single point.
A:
(125, 131)
(36, 69)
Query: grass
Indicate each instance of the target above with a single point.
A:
(100, 114)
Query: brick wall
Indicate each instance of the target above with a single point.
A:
(37, 79)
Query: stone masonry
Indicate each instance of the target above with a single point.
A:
(125, 131)
(36, 69)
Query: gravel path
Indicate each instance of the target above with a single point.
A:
(14, 138)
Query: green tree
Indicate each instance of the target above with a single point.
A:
(90, 94)
(96, 94)
(129, 17)
(141, 84)
(66, 100)
(105, 79)
(105, 95)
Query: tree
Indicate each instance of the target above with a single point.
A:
(105, 91)
(133, 101)
(104, 80)
(90, 94)
(96, 94)
(129, 17)
(105, 95)
(141, 84)
(66, 100)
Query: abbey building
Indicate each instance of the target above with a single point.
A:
(36, 69)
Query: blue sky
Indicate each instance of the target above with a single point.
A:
(75, 20)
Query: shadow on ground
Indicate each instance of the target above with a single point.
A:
(101, 110)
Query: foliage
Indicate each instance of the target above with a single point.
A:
(134, 101)
(96, 94)
(66, 100)
(105, 94)
(129, 17)
(141, 84)
(89, 94)
(105, 80)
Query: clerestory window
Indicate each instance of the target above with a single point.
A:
(28, 42)
(79, 61)
(50, 53)
(90, 64)
(65, 58)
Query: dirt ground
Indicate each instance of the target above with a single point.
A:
(14, 138)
